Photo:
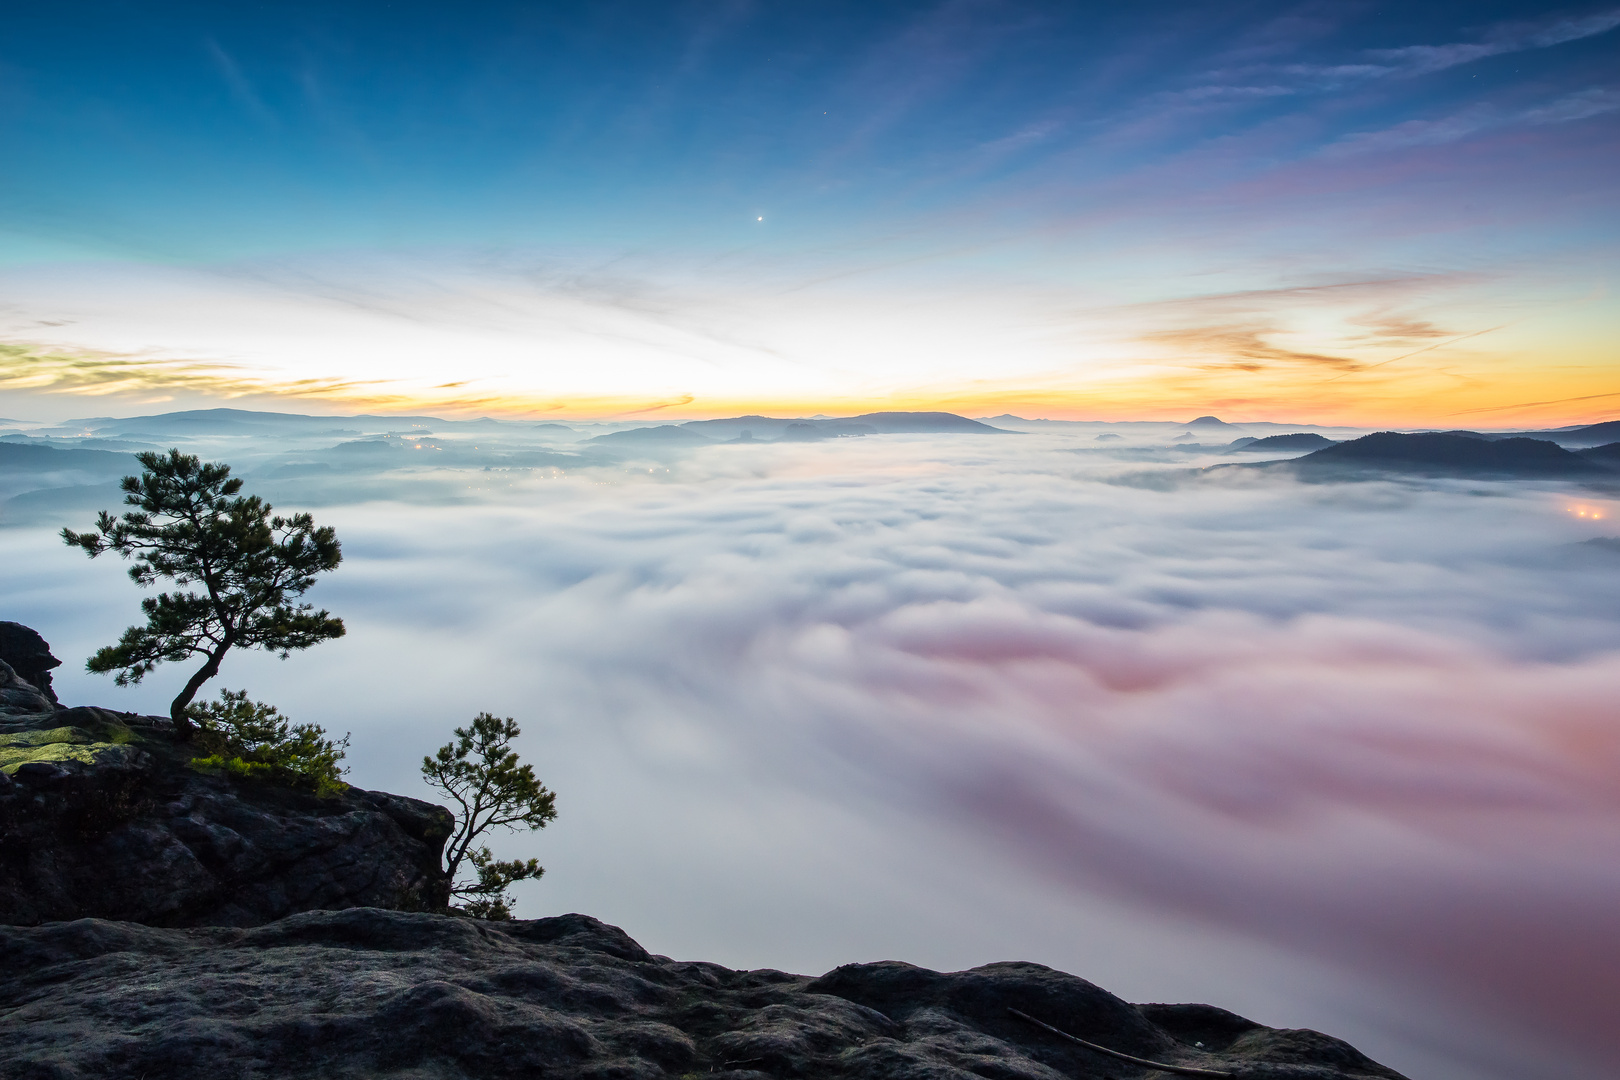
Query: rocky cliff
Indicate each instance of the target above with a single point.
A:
(366, 993)
(102, 816)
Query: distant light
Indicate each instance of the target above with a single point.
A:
(760, 218)
(1590, 513)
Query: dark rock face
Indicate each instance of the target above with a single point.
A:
(29, 657)
(367, 993)
(102, 816)
(19, 696)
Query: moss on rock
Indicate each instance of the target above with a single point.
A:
(58, 744)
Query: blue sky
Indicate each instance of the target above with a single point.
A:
(1152, 153)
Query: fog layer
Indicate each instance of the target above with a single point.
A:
(1337, 755)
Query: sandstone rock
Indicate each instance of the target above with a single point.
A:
(19, 698)
(102, 815)
(29, 657)
(367, 993)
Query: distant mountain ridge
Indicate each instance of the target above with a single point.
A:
(1454, 454)
(1299, 440)
(228, 421)
(877, 423)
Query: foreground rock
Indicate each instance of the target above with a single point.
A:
(102, 815)
(367, 993)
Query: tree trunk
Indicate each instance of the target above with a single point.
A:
(183, 727)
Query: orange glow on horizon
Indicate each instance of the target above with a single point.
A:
(1508, 390)
(1163, 402)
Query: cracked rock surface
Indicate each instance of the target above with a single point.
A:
(372, 993)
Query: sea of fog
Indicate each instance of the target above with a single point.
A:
(1342, 756)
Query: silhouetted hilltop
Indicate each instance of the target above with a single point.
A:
(1607, 455)
(1591, 435)
(806, 429)
(37, 457)
(1302, 440)
(894, 423)
(665, 435)
(1435, 452)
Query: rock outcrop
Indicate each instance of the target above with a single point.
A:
(29, 657)
(102, 815)
(366, 993)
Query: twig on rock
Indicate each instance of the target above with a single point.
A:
(1184, 1070)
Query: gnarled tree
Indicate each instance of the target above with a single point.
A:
(480, 771)
(192, 526)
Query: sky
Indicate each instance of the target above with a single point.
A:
(1329, 755)
(1335, 213)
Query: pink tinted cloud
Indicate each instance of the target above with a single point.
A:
(1415, 806)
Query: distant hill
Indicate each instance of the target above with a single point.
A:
(214, 422)
(820, 427)
(894, 423)
(1591, 435)
(666, 435)
(1588, 435)
(1608, 455)
(18, 457)
(1300, 440)
(204, 422)
(1209, 422)
(1436, 453)
(759, 427)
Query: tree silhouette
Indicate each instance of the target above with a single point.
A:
(480, 771)
(192, 527)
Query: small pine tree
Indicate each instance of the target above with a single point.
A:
(481, 772)
(193, 527)
(250, 738)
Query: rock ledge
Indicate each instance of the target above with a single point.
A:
(368, 993)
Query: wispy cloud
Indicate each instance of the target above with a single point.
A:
(1244, 347)
(1410, 133)
(1406, 61)
(1594, 101)
(241, 87)
(1499, 40)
